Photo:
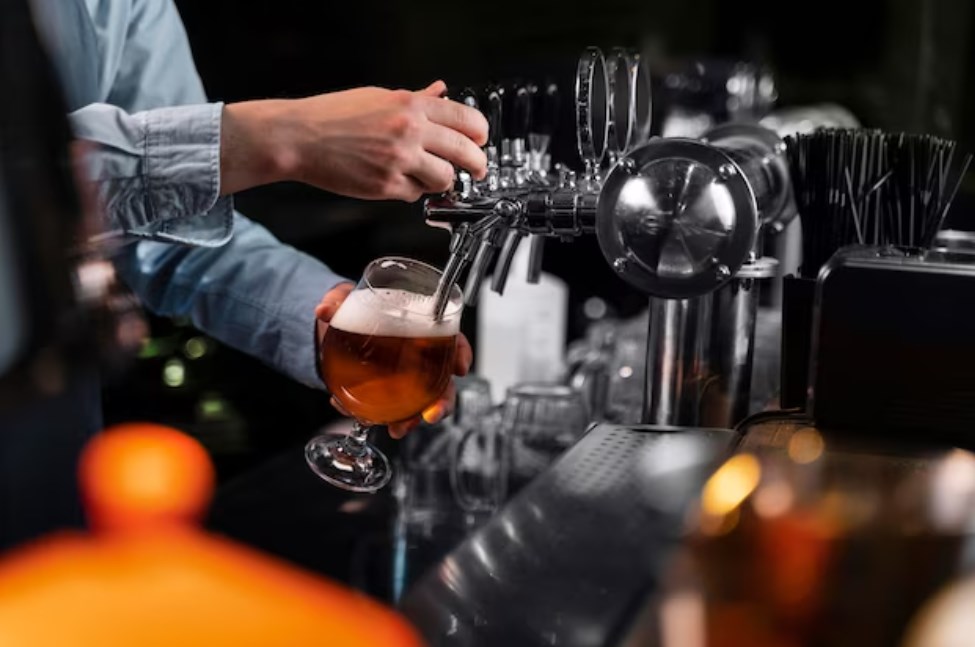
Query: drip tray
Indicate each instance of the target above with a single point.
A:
(568, 561)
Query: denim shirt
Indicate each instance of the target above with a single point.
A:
(133, 89)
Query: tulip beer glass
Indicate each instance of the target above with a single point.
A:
(385, 357)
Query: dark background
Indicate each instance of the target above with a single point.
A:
(897, 64)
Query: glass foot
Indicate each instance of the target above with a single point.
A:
(348, 464)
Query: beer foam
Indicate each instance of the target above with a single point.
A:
(394, 313)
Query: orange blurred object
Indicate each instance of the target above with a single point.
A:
(148, 576)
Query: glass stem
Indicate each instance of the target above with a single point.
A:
(355, 442)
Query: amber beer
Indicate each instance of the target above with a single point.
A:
(384, 358)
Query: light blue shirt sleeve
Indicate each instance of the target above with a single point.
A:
(157, 172)
(134, 91)
(254, 293)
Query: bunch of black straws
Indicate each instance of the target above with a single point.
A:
(869, 187)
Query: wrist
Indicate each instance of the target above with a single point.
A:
(256, 145)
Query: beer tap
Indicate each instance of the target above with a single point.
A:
(545, 119)
(464, 185)
(679, 219)
(494, 104)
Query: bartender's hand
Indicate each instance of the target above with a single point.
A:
(368, 143)
(436, 412)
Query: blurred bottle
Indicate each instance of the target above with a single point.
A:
(801, 545)
(521, 334)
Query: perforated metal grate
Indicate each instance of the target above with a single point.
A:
(567, 561)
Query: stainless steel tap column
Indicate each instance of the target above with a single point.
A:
(726, 391)
(680, 220)
(674, 349)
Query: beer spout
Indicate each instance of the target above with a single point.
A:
(491, 241)
(465, 231)
(535, 258)
(512, 240)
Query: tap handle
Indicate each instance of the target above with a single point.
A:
(545, 109)
(521, 111)
(512, 240)
(494, 98)
(468, 97)
(544, 120)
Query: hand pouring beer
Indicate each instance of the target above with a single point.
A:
(387, 360)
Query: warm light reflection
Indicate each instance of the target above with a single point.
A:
(716, 526)
(774, 499)
(683, 618)
(806, 446)
(730, 485)
(953, 491)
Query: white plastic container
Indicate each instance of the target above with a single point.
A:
(521, 334)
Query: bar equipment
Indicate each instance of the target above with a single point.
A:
(892, 352)
(515, 443)
(570, 559)
(697, 94)
(866, 188)
(678, 219)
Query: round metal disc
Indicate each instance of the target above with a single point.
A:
(642, 102)
(621, 100)
(676, 218)
(590, 71)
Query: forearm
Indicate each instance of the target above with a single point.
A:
(368, 143)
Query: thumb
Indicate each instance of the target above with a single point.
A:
(435, 89)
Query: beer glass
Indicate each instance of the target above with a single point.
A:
(799, 540)
(385, 358)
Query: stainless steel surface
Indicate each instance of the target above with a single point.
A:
(570, 560)
(760, 153)
(726, 395)
(512, 241)
(535, 258)
(961, 244)
(676, 218)
(675, 348)
(491, 241)
(700, 353)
